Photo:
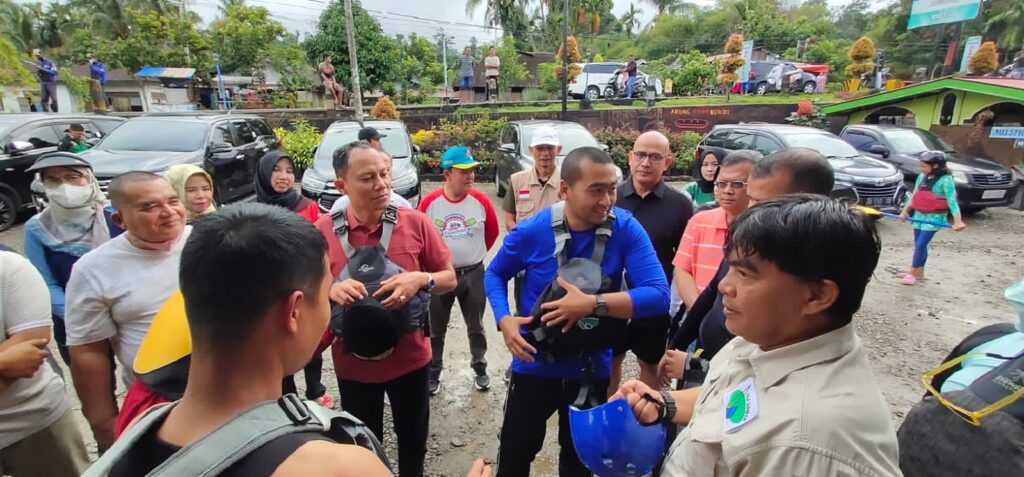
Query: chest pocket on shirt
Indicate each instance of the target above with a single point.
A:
(525, 206)
(402, 254)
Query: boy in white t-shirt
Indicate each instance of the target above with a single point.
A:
(116, 290)
(38, 433)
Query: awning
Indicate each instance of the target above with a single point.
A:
(817, 69)
(162, 72)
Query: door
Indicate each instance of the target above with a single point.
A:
(253, 147)
(42, 138)
(766, 145)
(227, 166)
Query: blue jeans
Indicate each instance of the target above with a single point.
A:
(629, 86)
(921, 239)
(466, 82)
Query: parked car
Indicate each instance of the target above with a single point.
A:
(229, 147)
(318, 181)
(980, 183)
(805, 84)
(515, 147)
(871, 182)
(594, 77)
(25, 137)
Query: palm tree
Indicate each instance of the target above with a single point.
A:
(510, 15)
(630, 20)
(1011, 21)
(669, 6)
(225, 5)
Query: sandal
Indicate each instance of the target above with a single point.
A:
(908, 279)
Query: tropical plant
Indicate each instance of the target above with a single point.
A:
(12, 71)
(730, 65)
(385, 109)
(861, 53)
(243, 37)
(299, 142)
(574, 58)
(807, 115)
(985, 60)
(378, 53)
(1009, 17)
(512, 69)
(630, 20)
(78, 86)
(510, 15)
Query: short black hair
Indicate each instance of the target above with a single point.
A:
(571, 166)
(812, 238)
(343, 153)
(76, 127)
(740, 156)
(809, 171)
(239, 261)
(325, 56)
(117, 185)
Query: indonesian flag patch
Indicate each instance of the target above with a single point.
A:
(524, 194)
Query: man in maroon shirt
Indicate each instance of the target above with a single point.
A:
(364, 174)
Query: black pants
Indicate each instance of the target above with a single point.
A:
(472, 299)
(410, 407)
(48, 91)
(530, 402)
(313, 372)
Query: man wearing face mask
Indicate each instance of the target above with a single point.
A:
(115, 291)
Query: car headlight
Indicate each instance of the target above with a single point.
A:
(843, 177)
(960, 177)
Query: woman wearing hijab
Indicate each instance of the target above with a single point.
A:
(275, 185)
(76, 222)
(703, 190)
(195, 189)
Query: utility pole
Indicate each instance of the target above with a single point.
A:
(444, 61)
(565, 56)
(353, 61)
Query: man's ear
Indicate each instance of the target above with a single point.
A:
(289, 306)
(563, 189)
(339, 184)
(668, 161)
(118, 220)
(821, 296)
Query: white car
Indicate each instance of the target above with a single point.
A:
(594, 77)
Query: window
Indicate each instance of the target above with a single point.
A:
(261, 127)
(716, 138)
(859, 140)
(766, 145)
(106, 125)
(740, 140)
(39, 137)
(244, 132)
(90, 129)
(156, 134)
(222, 133)
(948, 107)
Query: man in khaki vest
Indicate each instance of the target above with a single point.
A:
(532, 190)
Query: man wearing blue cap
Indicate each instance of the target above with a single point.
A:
(466, 220)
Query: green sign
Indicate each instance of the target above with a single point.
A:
(925, 13)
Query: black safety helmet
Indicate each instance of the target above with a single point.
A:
(367, 328)
(58, 159)
(935, 158)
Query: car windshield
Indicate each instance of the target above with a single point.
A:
(395, 143)
(913, 141)
(149, 135)
(571, 138)
(825, 144)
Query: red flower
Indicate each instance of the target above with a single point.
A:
(804, 108)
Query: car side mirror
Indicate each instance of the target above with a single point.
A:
(415, 149)
(603, 147)
(312, 150)
(509, 148)
(18, 147)
(879, 149)
(220, 148)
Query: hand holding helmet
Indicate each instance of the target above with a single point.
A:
(401, 287)
(347, 291)
(647, 411)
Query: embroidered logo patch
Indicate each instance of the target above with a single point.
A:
(740, 405)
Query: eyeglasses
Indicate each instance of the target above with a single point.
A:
(641, 156)
(971, 417)
(73, 178)
(738, 185)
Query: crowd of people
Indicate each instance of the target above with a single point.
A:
(741, 325)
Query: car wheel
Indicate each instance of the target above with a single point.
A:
(809, 87)
(8, 211)
(593, 93)
(761, 89)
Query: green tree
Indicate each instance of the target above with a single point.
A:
(512, 70)
(630, 20)
(286, 56)
(378, 54)
(243, 36)
(1008, 20)
(159, 40)
(12, 71)
(510, 15)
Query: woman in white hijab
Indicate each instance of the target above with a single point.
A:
(76, 222)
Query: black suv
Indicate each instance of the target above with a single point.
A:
(980, 183)
(229, 147)
(872, 182)
(25, 137)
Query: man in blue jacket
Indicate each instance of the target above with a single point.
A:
(97, 83)
(541, 384)
(47, 73)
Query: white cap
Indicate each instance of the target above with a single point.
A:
(545, 136)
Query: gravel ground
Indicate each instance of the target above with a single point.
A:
(907, 331)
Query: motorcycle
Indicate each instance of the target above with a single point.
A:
(612, 91)
(867, 80)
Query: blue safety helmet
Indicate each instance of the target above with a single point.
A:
(612, 443)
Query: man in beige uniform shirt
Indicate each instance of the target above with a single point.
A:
(793, 394)
(532, 190)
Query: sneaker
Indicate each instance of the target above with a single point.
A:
(482, 381)
(435, 382)
(325, 401)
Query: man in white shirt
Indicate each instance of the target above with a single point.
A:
(116, 290)
(466, 220)
(38, 432)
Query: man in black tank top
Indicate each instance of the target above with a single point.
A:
(255, 283)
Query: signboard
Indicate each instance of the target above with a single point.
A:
(972, 45)
(1007, 133)
(748, 51)
(925, 13)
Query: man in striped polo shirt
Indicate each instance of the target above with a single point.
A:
(466, 220)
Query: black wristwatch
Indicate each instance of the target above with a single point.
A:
(668, 411)
(600, 308)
